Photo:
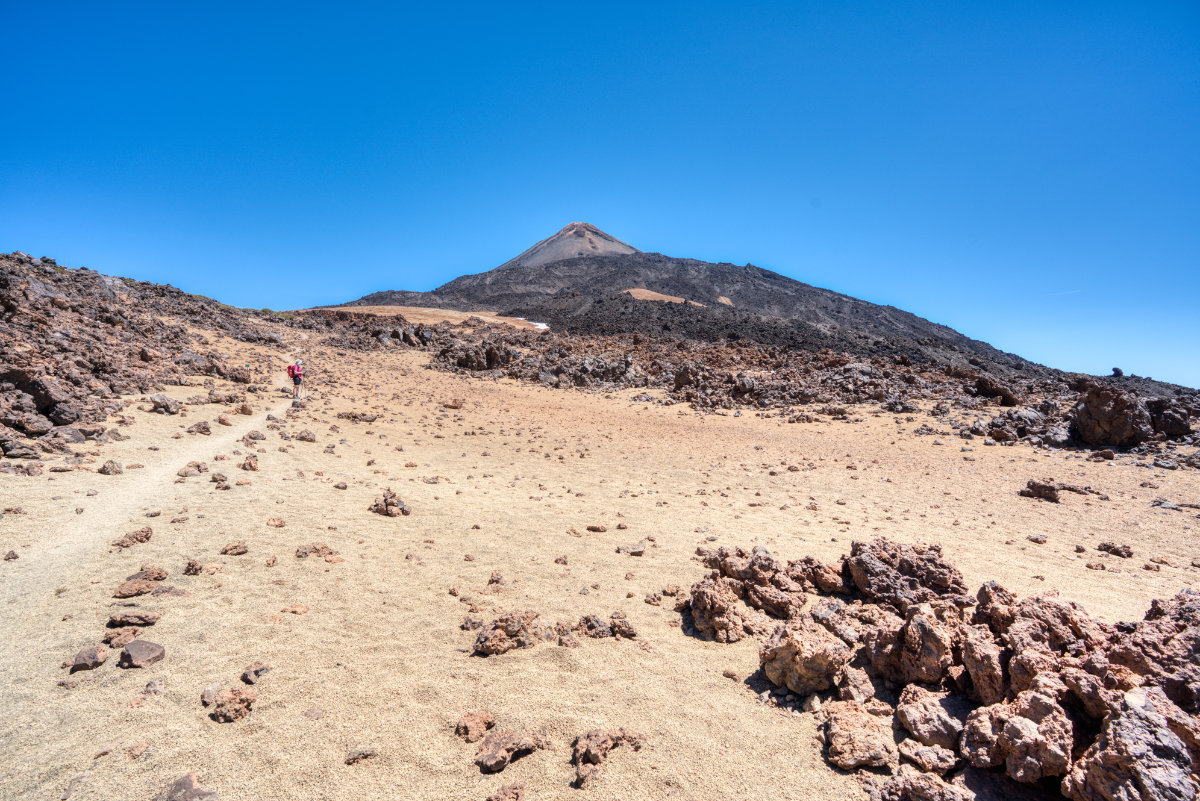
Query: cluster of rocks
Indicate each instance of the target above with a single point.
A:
(73, 341)
(525, 629)
(905, 665)
(500, 747)
(390, 505)
(1072, 410)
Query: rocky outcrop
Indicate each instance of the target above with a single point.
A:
(1029, 691)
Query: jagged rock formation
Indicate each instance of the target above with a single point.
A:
(1033, 687)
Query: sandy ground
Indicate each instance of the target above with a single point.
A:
(429, 316)
(511, 480)
(649, 294)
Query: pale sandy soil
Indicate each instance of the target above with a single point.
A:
(648, 294)
(421, 314)
(381, 653)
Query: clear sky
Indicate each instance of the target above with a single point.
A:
(1028, 173)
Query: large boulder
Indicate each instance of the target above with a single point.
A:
(1169, 417)
(804, 657)
(932, 718)
(1106, 415)
(718, 612)
(855, 738)
(902, 575)
(919, 650)
(1036, 739)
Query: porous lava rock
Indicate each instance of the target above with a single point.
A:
(902, 575)
(855, 738)
(590, 750)
(803, 656)
(511, 630)
(502, 746)
(472, 726)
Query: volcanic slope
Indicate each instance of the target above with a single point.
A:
(567, 284)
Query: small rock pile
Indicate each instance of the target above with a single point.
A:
(390, 505)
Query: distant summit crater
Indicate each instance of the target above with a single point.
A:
(575, 240)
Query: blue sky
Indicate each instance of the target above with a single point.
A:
(1026, 173)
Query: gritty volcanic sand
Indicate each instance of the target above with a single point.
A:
(380, 651)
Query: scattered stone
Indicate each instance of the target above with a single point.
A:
(235, 549)
(501, 747)
(1042, 490)
(473, 726)
(591, 749)
(254, 672)
(636, 549)
(509, 792)
(360, 754)
(315, 549)
(1123, 551)
(133, 617)
(111, 468)
(510, 630)
(134, 538)
(89, 658)
(232, 705)
(140, 654)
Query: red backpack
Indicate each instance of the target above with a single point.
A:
(292, 371)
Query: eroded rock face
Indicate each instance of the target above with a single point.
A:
(502, 746)
(980, 743)
(1139, 755)
(1047, 674)
(855, 738)
(903, 575)
(984, 660)
(510, 630)
(929, 758)
(592, 748)
(1036, 739)
(804, 657)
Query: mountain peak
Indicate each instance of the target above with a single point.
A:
(575, 239)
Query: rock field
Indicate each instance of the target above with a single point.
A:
(487, 563)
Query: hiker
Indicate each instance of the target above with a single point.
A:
(296, 373)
